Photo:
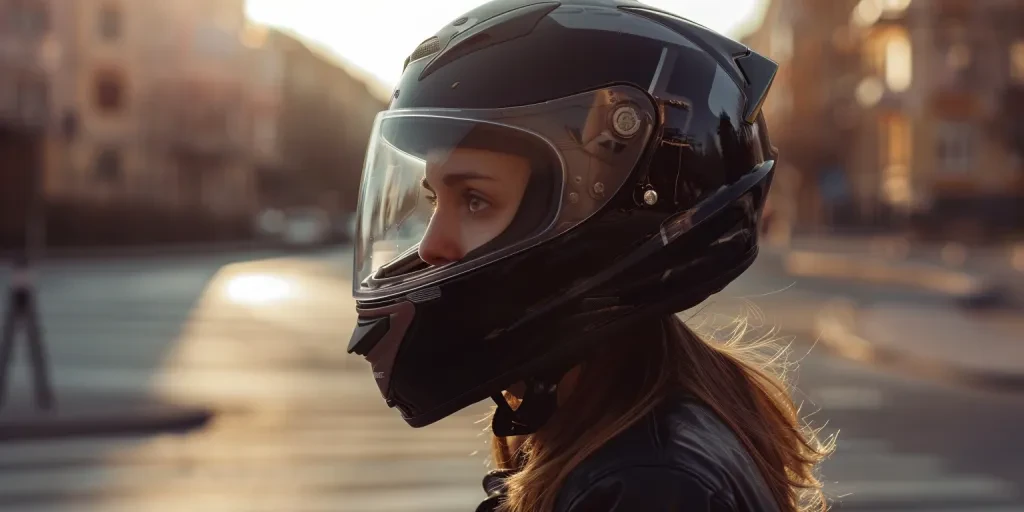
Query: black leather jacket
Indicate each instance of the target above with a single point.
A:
(681, 457)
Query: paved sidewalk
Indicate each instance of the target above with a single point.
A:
(900, 247)
(985, 349)
(1004, 260)
(138, 346)
(988, 277)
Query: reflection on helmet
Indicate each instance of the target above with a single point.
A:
(546, 167)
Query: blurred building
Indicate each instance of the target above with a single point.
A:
(327, 112)
(168, 114)
(32, 72)
(809, 115)
(195, 106)
(901, 114)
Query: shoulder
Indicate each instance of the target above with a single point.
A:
(682, 450)
(648, 487)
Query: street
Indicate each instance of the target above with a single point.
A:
(300, 425)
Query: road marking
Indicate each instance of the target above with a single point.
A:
(834, 398)
(425, 499)
(934, 489)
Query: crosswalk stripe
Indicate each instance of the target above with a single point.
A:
(361, 456)
(980, 508)
(938, 489)
(189, 478)
(271, 449)
(281, 434)
(398, 458)
(869, 471)
(833, 398)
(217, 384)
(426, 499)
(854, 445)
(867, 463)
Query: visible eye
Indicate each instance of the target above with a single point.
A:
(475, 203)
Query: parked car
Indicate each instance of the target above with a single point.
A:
(270, 223)
(306, 227)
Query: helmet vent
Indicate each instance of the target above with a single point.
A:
(425, 295)
(428, 47)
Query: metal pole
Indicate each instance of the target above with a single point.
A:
(22, 310)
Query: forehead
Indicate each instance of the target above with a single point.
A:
(476, 159)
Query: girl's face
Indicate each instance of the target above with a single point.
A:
(475, 193)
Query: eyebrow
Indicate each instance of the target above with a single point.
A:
(454, 178)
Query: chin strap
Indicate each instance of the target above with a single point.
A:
(537, 406)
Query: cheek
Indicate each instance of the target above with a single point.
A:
(477, 234)
(482, 228)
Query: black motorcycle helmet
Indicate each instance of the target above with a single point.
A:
(648, 165)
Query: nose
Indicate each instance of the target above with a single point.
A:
(440, 244)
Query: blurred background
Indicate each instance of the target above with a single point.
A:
(899, 116)
(183, 176)
(175, 122)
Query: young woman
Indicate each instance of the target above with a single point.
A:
(552, 183)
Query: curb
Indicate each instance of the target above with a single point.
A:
(154, 251)
(137, 421)
(960, 286)
(100, 253)
(85, 253)
(836, 322)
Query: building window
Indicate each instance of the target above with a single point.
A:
(265, 135)
(213, 119)
(958, 57)
(895, 6)
(956, 147)
(108, 166)
(8, 95)
(866, 13)
(33, 101)
(897, 151)
(28, 18)
(271, 67)
(1017, 62)
(214, 41)
(304, 79)
(782, 42)
(899, 68)
(110, 93)
(898, 141)
(110, 21)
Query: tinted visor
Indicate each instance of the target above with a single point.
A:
(445, 191)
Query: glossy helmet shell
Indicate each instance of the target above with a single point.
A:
(683, 226)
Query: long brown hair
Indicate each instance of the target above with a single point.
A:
(744, 384)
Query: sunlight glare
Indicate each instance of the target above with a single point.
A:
(258, 289)
(377, 36)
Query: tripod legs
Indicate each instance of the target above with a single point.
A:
(22, 312)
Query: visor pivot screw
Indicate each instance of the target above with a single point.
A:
(578, 179)
(574, 197)
(626, 121)
(460, 21)
(599, 188)
(650, 198)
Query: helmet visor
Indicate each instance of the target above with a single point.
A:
(445, 191)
